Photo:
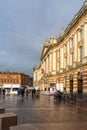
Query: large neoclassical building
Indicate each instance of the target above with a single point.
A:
(64, 58)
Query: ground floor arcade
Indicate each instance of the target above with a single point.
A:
(74, 80)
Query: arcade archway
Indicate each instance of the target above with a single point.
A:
(80, 82)
(71, 83)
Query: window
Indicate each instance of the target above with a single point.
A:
(81, 53)
(72, 58)
(65, 48)
(65, 60)
(80, 34)
(72, 42)
(59, 66)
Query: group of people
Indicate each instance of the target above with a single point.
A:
(35, 93)
(25, 92)
(22, 92)
(59, 95)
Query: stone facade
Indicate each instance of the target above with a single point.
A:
(14, 79)
(64, 59)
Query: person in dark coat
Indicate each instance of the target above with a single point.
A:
(3, 92)
(22, 92)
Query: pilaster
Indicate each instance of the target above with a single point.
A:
(75, 82)
(54, 61)
(85, 81)
(67, 83)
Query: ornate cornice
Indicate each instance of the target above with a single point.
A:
(76, 18)
(48, 44)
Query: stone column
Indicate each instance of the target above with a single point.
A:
(85, 39)
(51, 62)
(75, 82)
(85, 81)
(57, 60)
(67, 83)
(46, 65)
(61, 58)
(68, 53)
(85, 42)
(54, 61)
(75, 51)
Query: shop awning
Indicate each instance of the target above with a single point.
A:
(31, 87)
(11, 86)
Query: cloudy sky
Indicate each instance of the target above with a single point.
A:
(24, 27)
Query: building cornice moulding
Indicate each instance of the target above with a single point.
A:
(81, 12)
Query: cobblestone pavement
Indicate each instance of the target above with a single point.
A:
(45, 110)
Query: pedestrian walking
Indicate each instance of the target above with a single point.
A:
(22, 93)
(57, 96)
(26, 93)
(32, 93)
(38, 93)
(19, 91)
(3, 92)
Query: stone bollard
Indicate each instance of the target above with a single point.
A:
(7, 120)
(2, 110)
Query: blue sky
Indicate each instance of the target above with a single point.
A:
(24, 27)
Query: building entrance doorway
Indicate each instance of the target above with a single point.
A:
(80, 82)
(71, 83)
(80, 86)
(71, 86)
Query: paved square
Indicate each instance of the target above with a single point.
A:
(44, 111)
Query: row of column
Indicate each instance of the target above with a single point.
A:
(49, 64)
(75, 48)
